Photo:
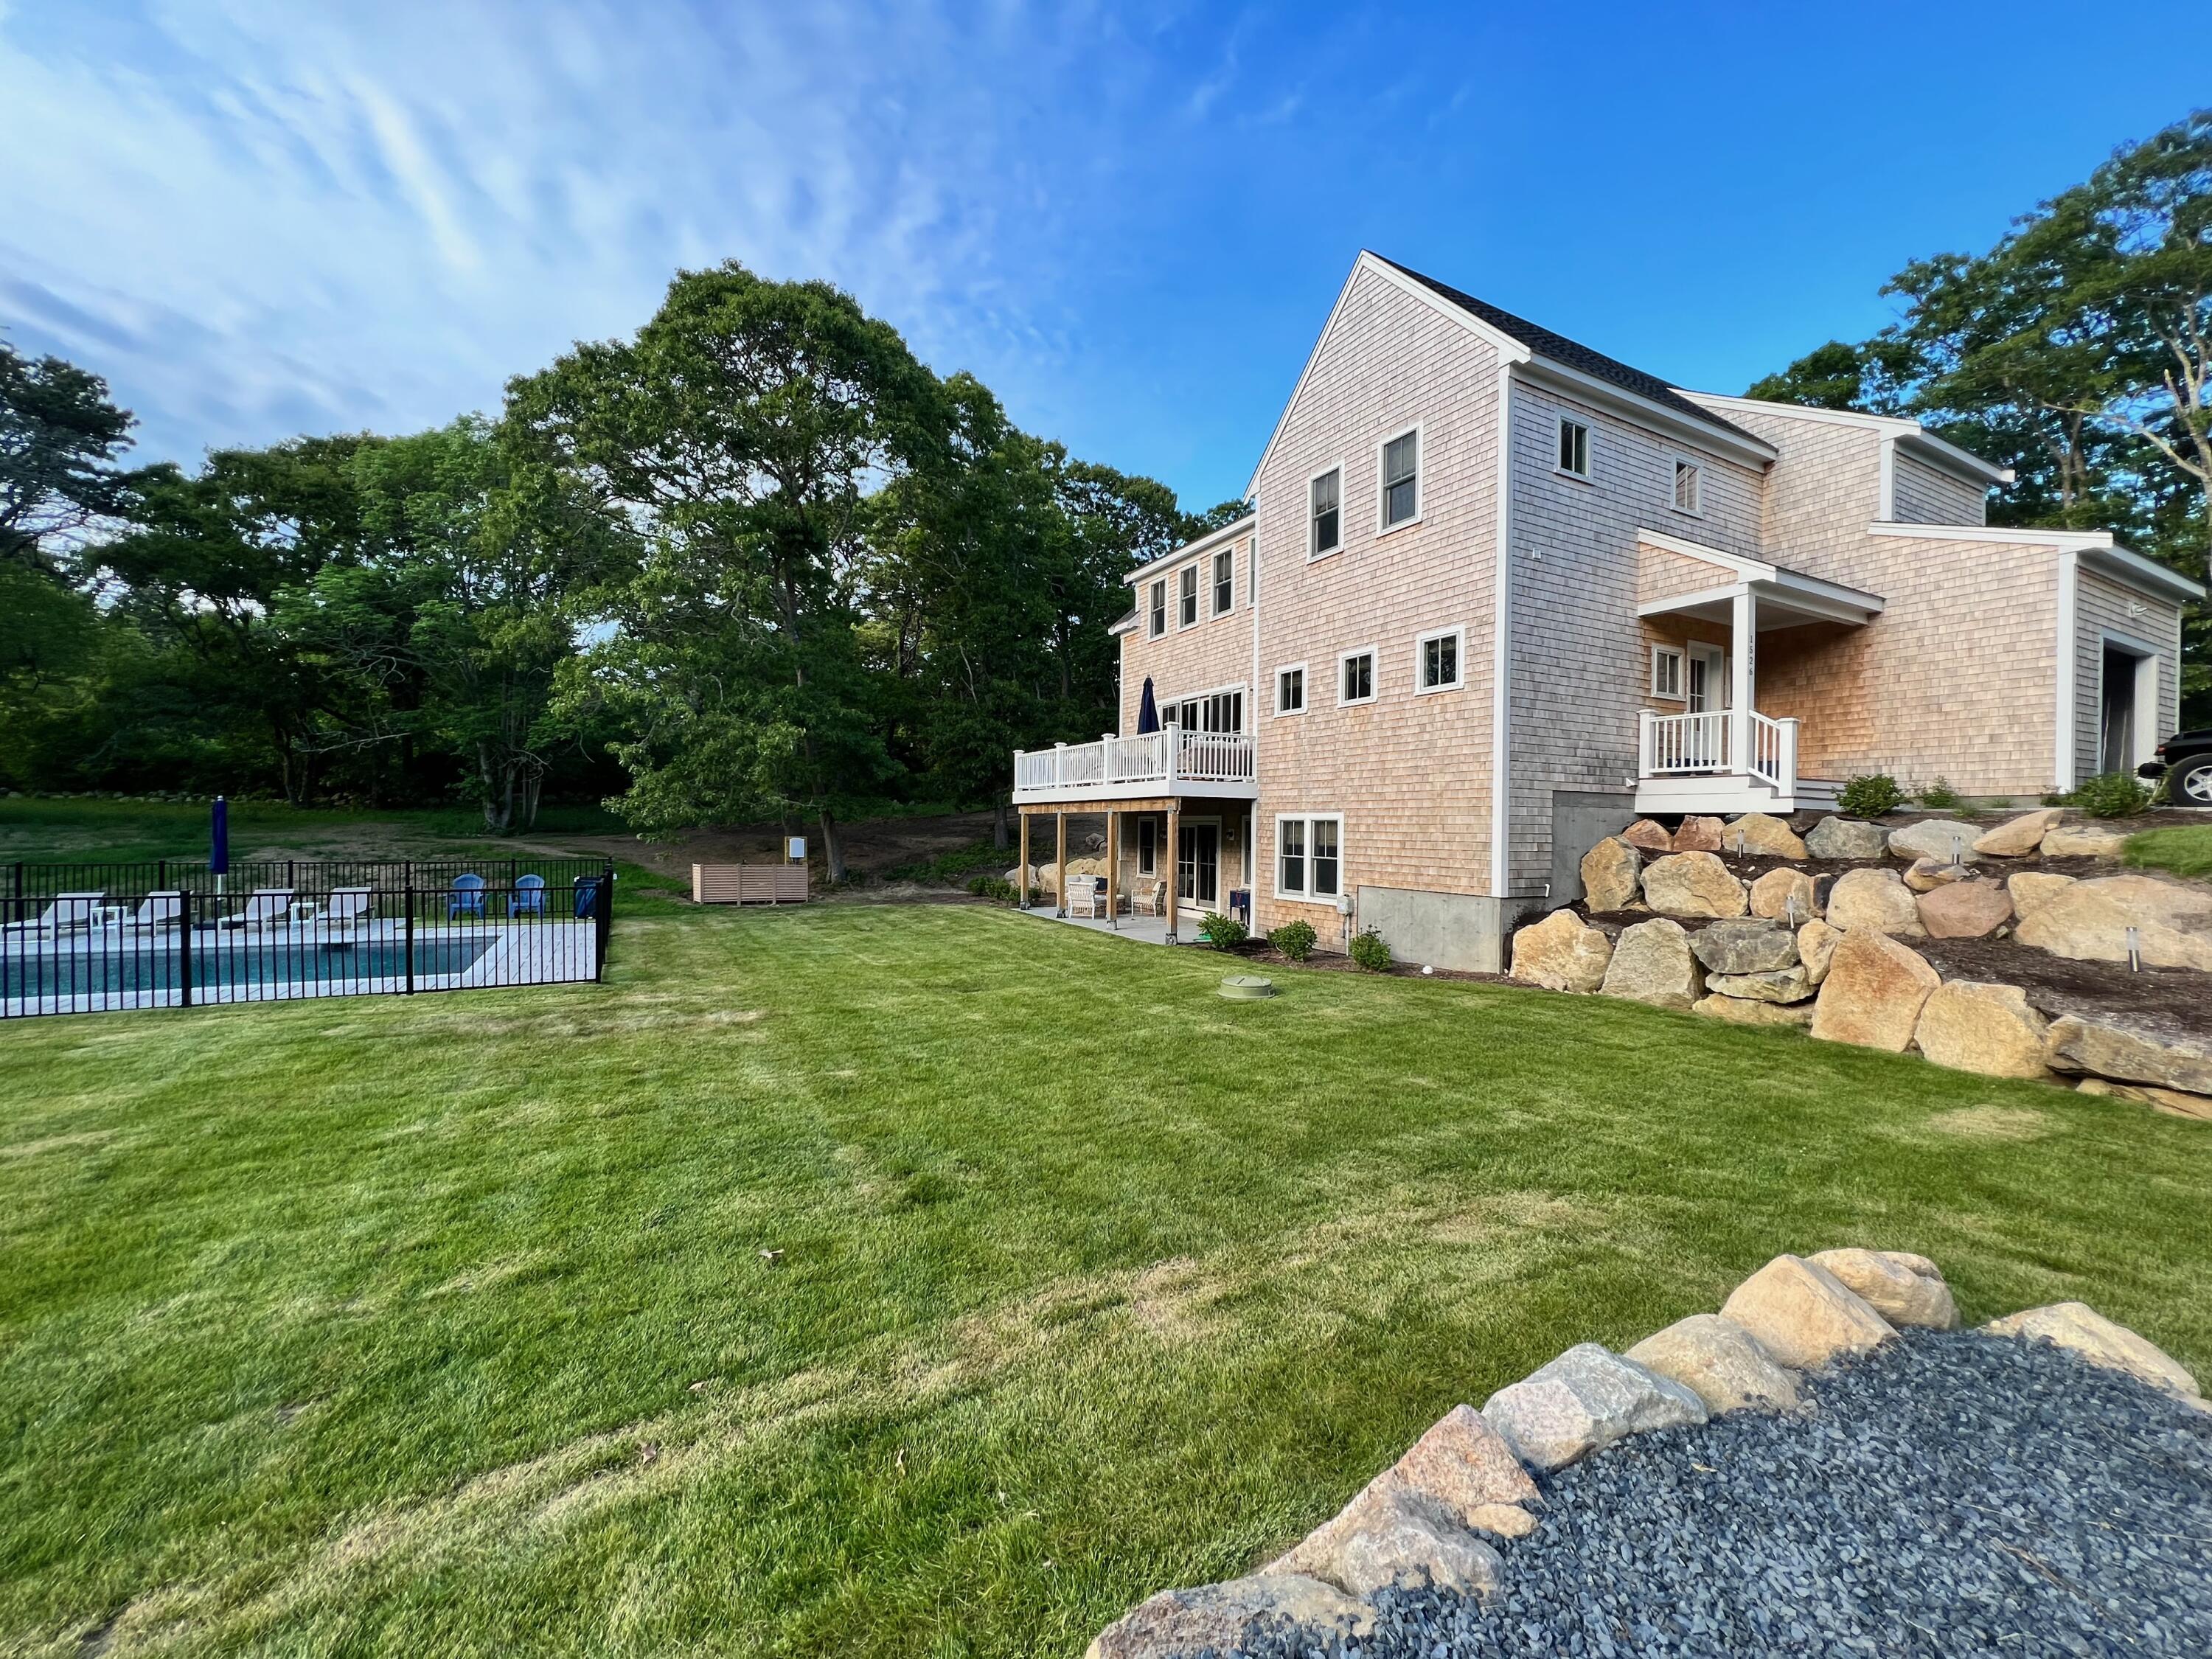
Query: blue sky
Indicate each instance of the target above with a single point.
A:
(1129, 219)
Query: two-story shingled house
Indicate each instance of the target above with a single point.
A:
(1710, 604)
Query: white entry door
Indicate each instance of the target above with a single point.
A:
(1706, 693)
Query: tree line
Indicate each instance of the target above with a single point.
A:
(758, 562)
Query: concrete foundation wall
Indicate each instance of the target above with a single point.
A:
(1459, 931)
(1580, 819)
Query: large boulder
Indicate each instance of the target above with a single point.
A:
(1584, 1401)
(1990, 1029)
(2084, 841)
(1561, 953)
(1873, 900)
(1699, 836)
(2174, 1102)
(1720, 1362)
(1389, 1538)
(1747, 947)
(1650, 836)
(1230, 1617)
(2030, 888)
(1945, 840)
(1926, 875)
(2103, 1050)
(1463, 1469)
(1903, 1288)
(1692, 884)
(2089, 920)
(1846, 838)
(2018, 837)
(1816, 944)
(1744, 1011)
(1652, 962)
(1763, 835)
(1966, 909)
(1873, 993)
(1772, 985)
(1803, 1315)
(1783, 894)
(2081, 1327)
(1610, 871)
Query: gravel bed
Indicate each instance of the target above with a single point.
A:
(1949, 1494)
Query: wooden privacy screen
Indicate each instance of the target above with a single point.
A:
(749, 884)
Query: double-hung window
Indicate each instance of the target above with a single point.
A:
(1159, 610)
(1436, 660)
(1327, 534)
(1291, 690)
(1689, 489)
(1401, 479)
(1224, 581)
(1667, 672)
(1574, 449)
(1355, 678)
(1186, 599)
(1308, 856)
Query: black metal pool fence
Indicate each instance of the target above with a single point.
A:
(101, 946)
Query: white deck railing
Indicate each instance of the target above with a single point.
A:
(1676, 745)
(1153, 762)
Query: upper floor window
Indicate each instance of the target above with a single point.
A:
(1160, 608)
(1436, 660)
(1355, 681)
(1224, 581)
(1574, 449)
(1221, 712)
(1689, 487)
(1401, 467)
(1327, 533)
(1187, 599)
(1291, 690)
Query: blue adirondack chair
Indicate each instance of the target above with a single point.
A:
(467, 898)
(529, 896)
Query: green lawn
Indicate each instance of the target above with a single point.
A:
(2185, 850)
(442, 1324)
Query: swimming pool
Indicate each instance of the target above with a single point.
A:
(224, 960)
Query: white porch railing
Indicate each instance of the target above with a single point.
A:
(1675, 746)
(1151, 762)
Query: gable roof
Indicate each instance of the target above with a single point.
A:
(1573, 354)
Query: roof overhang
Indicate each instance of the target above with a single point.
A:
(2096, 548)
(1924, 445)
(1731, 445)
(1787, 598)
(1205, 544)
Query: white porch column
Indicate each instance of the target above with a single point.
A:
(1745, 625)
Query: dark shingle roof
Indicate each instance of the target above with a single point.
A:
(1574, 354)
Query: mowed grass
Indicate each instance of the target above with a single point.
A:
(443, 1324)
(2183, 850)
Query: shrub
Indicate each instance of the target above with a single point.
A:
(2111, 795)
(991, 887)
(1941, 797)
(1869, 795)
(1368, 951)
(1295, 940)
(1219, 931)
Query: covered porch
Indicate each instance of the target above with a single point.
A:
(1160, 863)
(1704, 743)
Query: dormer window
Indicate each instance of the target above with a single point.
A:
(1574, 449)
(1689, 489)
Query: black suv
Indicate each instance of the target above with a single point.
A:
(2186, 756)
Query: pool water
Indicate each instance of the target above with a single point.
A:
(234, 959)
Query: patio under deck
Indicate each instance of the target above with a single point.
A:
(1145, 930)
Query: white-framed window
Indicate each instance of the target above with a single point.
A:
(1398, 479)
(1158, 609)
(1218, 712)
(1574, 447)
(1689, 487)
(1667, 672)
(1148, 846)
(1309, 856)
(1355, 677)
(1324, 513)
(1224, 581)
(1439, 660)
(1291, 688)
(1187, 598)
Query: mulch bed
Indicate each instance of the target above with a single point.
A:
(2173, 1001)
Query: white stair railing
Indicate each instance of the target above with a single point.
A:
(1675, 744)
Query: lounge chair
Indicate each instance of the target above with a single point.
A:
(466, 899)
(528, 898)
(160, 910)
(68, 913)
(346, 908)
(268, 908)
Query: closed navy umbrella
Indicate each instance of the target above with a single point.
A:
(219, 842)
(1148, 713)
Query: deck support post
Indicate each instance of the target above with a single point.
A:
(1175, 863)
(1060, 852)
(1745, 624)
(1022, 868)
(1113, 865)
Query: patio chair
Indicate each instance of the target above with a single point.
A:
(528, 898)
(160, 910)
(268, 907)
(466, 899)
(1086, 895)
(1150, 900)
(67, 912)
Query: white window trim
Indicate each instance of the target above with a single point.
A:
(1312, 478)
(1675, 463)
(1590, 450)
(1374, 678)
(1381, 490)
(1167, 599)
(1182, 697)
(1681, 673)
(1198, 610)
(1213, 585)
(1275, 876)
(1459, 660)
(1305, 689)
